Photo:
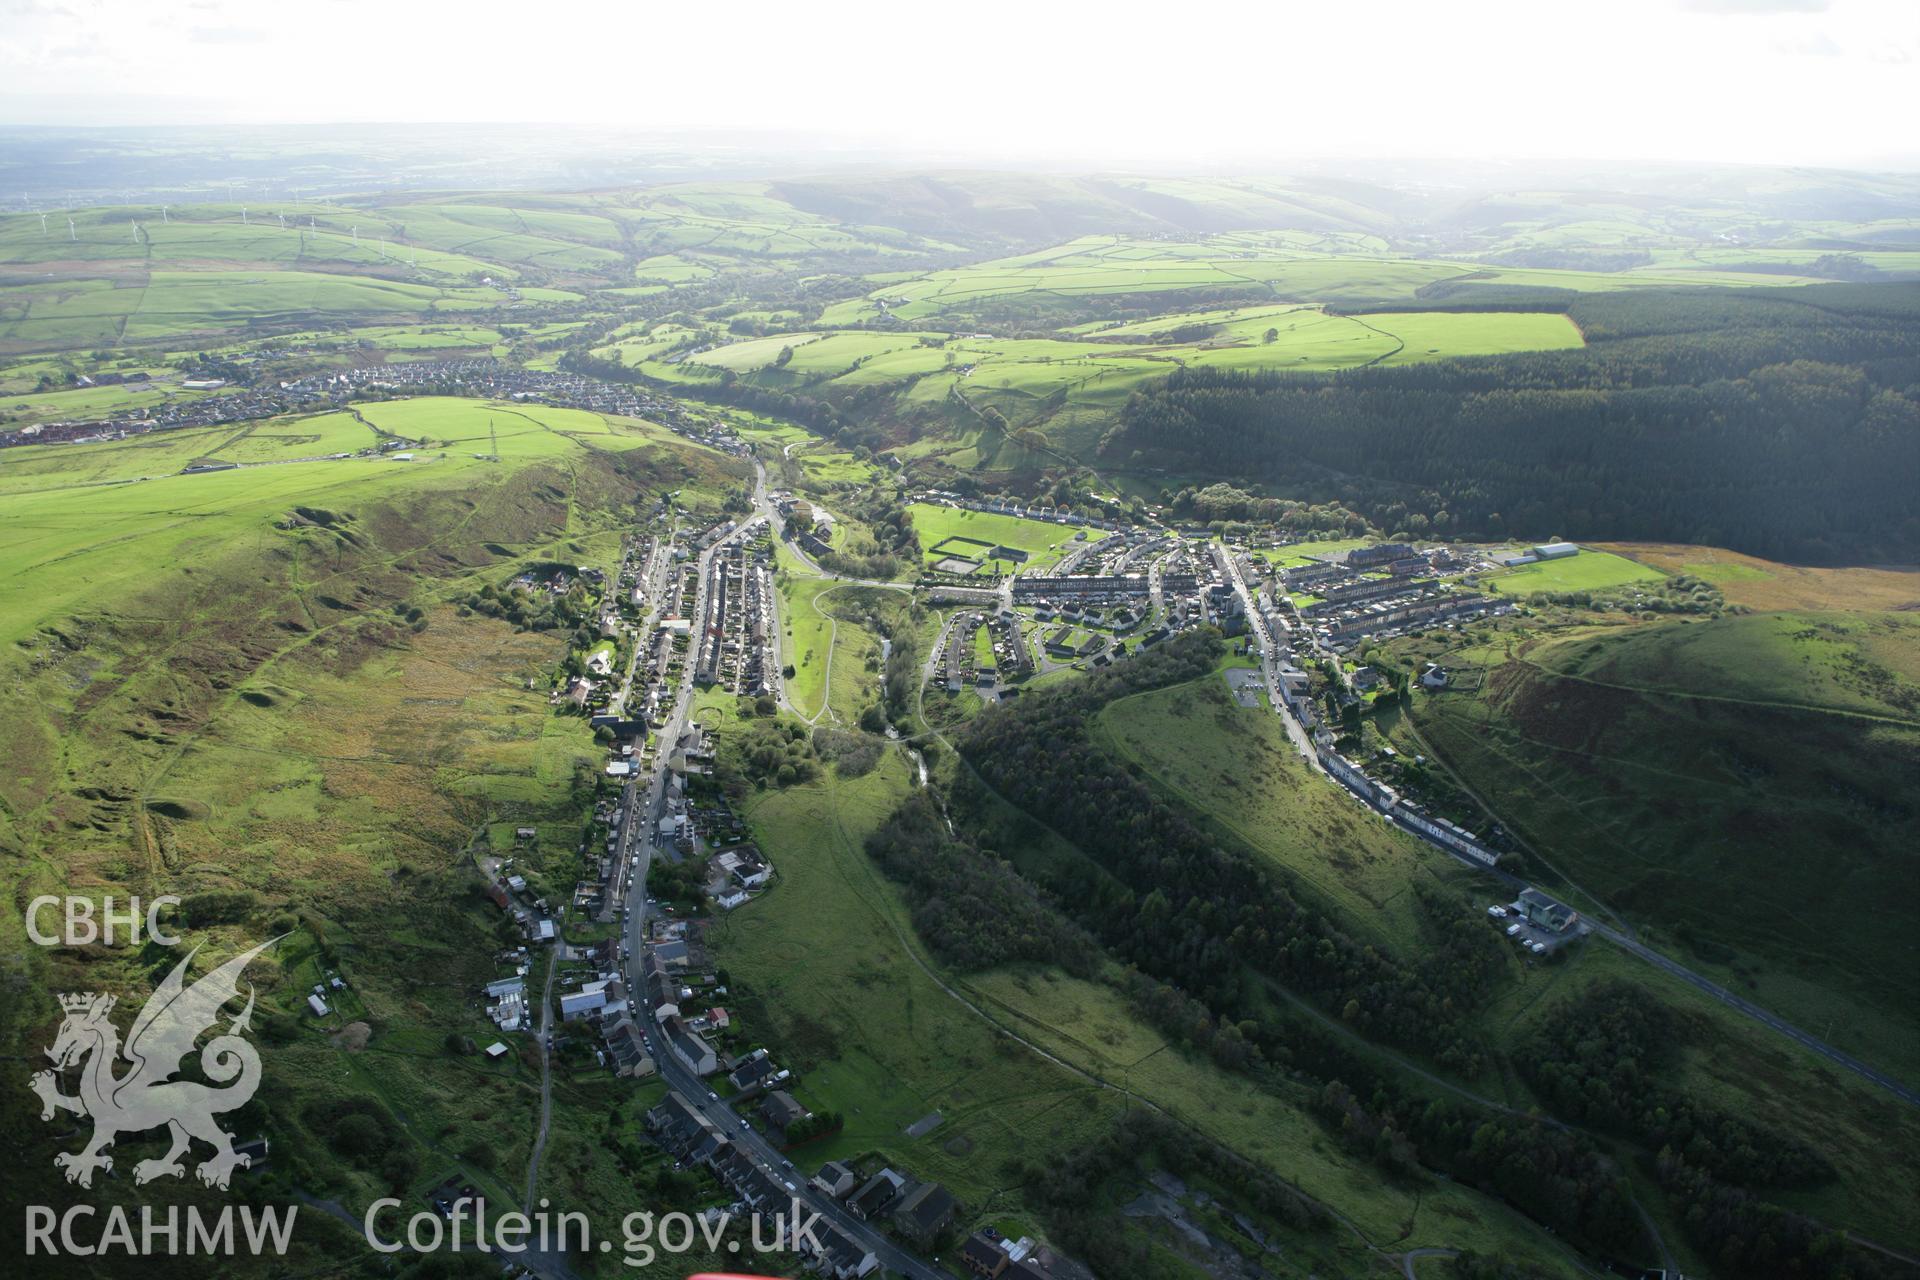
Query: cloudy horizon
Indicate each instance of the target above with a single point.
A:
(1827, 83)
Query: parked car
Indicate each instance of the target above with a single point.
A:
(1497, 912)
(1513, 930)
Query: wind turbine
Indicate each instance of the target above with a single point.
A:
(283, 222)
(43, 225)
(243, 215)
(136, 230)
(71, 233)
(164, 220)
(356, 234)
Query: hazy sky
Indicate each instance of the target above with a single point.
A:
(1832, 82)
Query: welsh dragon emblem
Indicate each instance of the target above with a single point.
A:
(147, 1096)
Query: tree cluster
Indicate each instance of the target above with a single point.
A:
(817, 1125)
(968, 905)
(765, 752)
(1553, 1175)
(677, 881)
(883, 509)
(1222, 503)
(1749, 1236)
(531, 612)
(1599, 1060)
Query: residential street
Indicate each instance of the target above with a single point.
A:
(638, 840)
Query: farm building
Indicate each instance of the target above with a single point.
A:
(1556, 550)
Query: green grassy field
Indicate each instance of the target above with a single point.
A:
(807, 635)
(82, 403)
(167, 305)
(1422, 335)
(1589, 571)
(66, 495)
(199, 236)
(870, 1033)
(983, 647)
(1043, 541)
(287, 439)
(1437, 335)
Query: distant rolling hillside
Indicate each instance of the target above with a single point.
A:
(1741, 786)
